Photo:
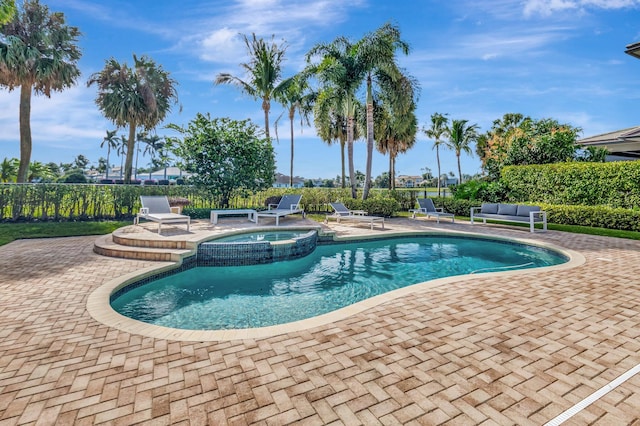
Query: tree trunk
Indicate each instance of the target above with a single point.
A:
(25, 133)
(291, 116)
(344, 180)
(392, 158)
(459, 169)
(266, 106)
(367, 176)
(390, 185)
(352, 173)
(108, 152)
(438, 159)
(131, 146)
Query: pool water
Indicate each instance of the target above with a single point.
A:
(333, 276)
(261, 236)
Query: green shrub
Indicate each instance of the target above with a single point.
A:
(374, 206)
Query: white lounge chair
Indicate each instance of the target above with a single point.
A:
(289, 204)
(429, 209)
(341, 212)
(156, 209)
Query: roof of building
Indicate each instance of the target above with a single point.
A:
(623, 143)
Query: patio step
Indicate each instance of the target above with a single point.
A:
(106, 246)
(135, 240)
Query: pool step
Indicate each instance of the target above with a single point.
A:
(134, 240)
(107, 246)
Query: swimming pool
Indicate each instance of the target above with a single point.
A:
(333, 276)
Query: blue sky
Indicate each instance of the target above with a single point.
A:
(475, 60)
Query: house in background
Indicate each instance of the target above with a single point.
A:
(623, 145)
(407, 181)
(282, 181)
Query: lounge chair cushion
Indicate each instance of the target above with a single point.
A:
(489, 208)
(507, 209)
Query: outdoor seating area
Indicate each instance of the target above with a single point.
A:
(510, 213)
(342, 213)
(157, 209)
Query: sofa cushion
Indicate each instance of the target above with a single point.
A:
(490, 208)
(525, 210)
(508, 209)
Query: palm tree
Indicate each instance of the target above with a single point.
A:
(461, 136)
(110, 141)
(136, 97)
(155, 144)
(264, 71)
(340, 74)
(396, 124)
(376, 54)
(331, 125)
(437, 130)
(122, 149)
(9, 170)
(296, 97)
(39, 53)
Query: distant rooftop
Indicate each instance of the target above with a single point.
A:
(623, 143)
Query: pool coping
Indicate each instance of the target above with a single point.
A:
(100, 309)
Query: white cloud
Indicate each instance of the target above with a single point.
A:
(548, 7)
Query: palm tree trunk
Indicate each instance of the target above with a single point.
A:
(25, 132)
(266, 106)
(108, 152)
(291, 115)
(131, 145)
(438, 159)
(393, 170)
(352, 173)
(459, 169)
(367, 176)
(390, 172)
(344, 180)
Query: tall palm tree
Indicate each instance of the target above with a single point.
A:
(264, 71)
(396, 124)
(136, 97)
(331, 126)
(111, 141)
(39, 53)
(461, 135)
(155, 144)
(376, 53)
(438, 129)
(340, 75)
(296, 97)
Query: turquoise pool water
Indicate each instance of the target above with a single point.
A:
(333, 276)
(261, 236)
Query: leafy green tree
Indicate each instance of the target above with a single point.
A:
(264, 70)
(111, 141)
(7, 11)
(438, 129)
(296, 96)
(542, 142)
(140, 96)
(227, 157)
(38, 53)
(594, 154)
(461, 135)
(328, 183)
(81, 162)
(102, 165)
(308, 183)
(382, 181)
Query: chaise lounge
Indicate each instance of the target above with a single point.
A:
(157, 209)
(289, 204)
(341, 212)
(429, 209)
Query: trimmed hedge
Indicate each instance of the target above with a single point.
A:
(615, 184)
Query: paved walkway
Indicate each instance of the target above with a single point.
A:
(507, 350)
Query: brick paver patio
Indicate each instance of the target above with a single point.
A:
(507, 350)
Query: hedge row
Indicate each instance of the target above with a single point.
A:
(30, 202)
(615, 184)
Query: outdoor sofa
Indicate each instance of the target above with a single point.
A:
(510, 213)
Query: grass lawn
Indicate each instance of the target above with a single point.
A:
(14, 231)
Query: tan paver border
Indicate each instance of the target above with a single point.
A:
(100, 309)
